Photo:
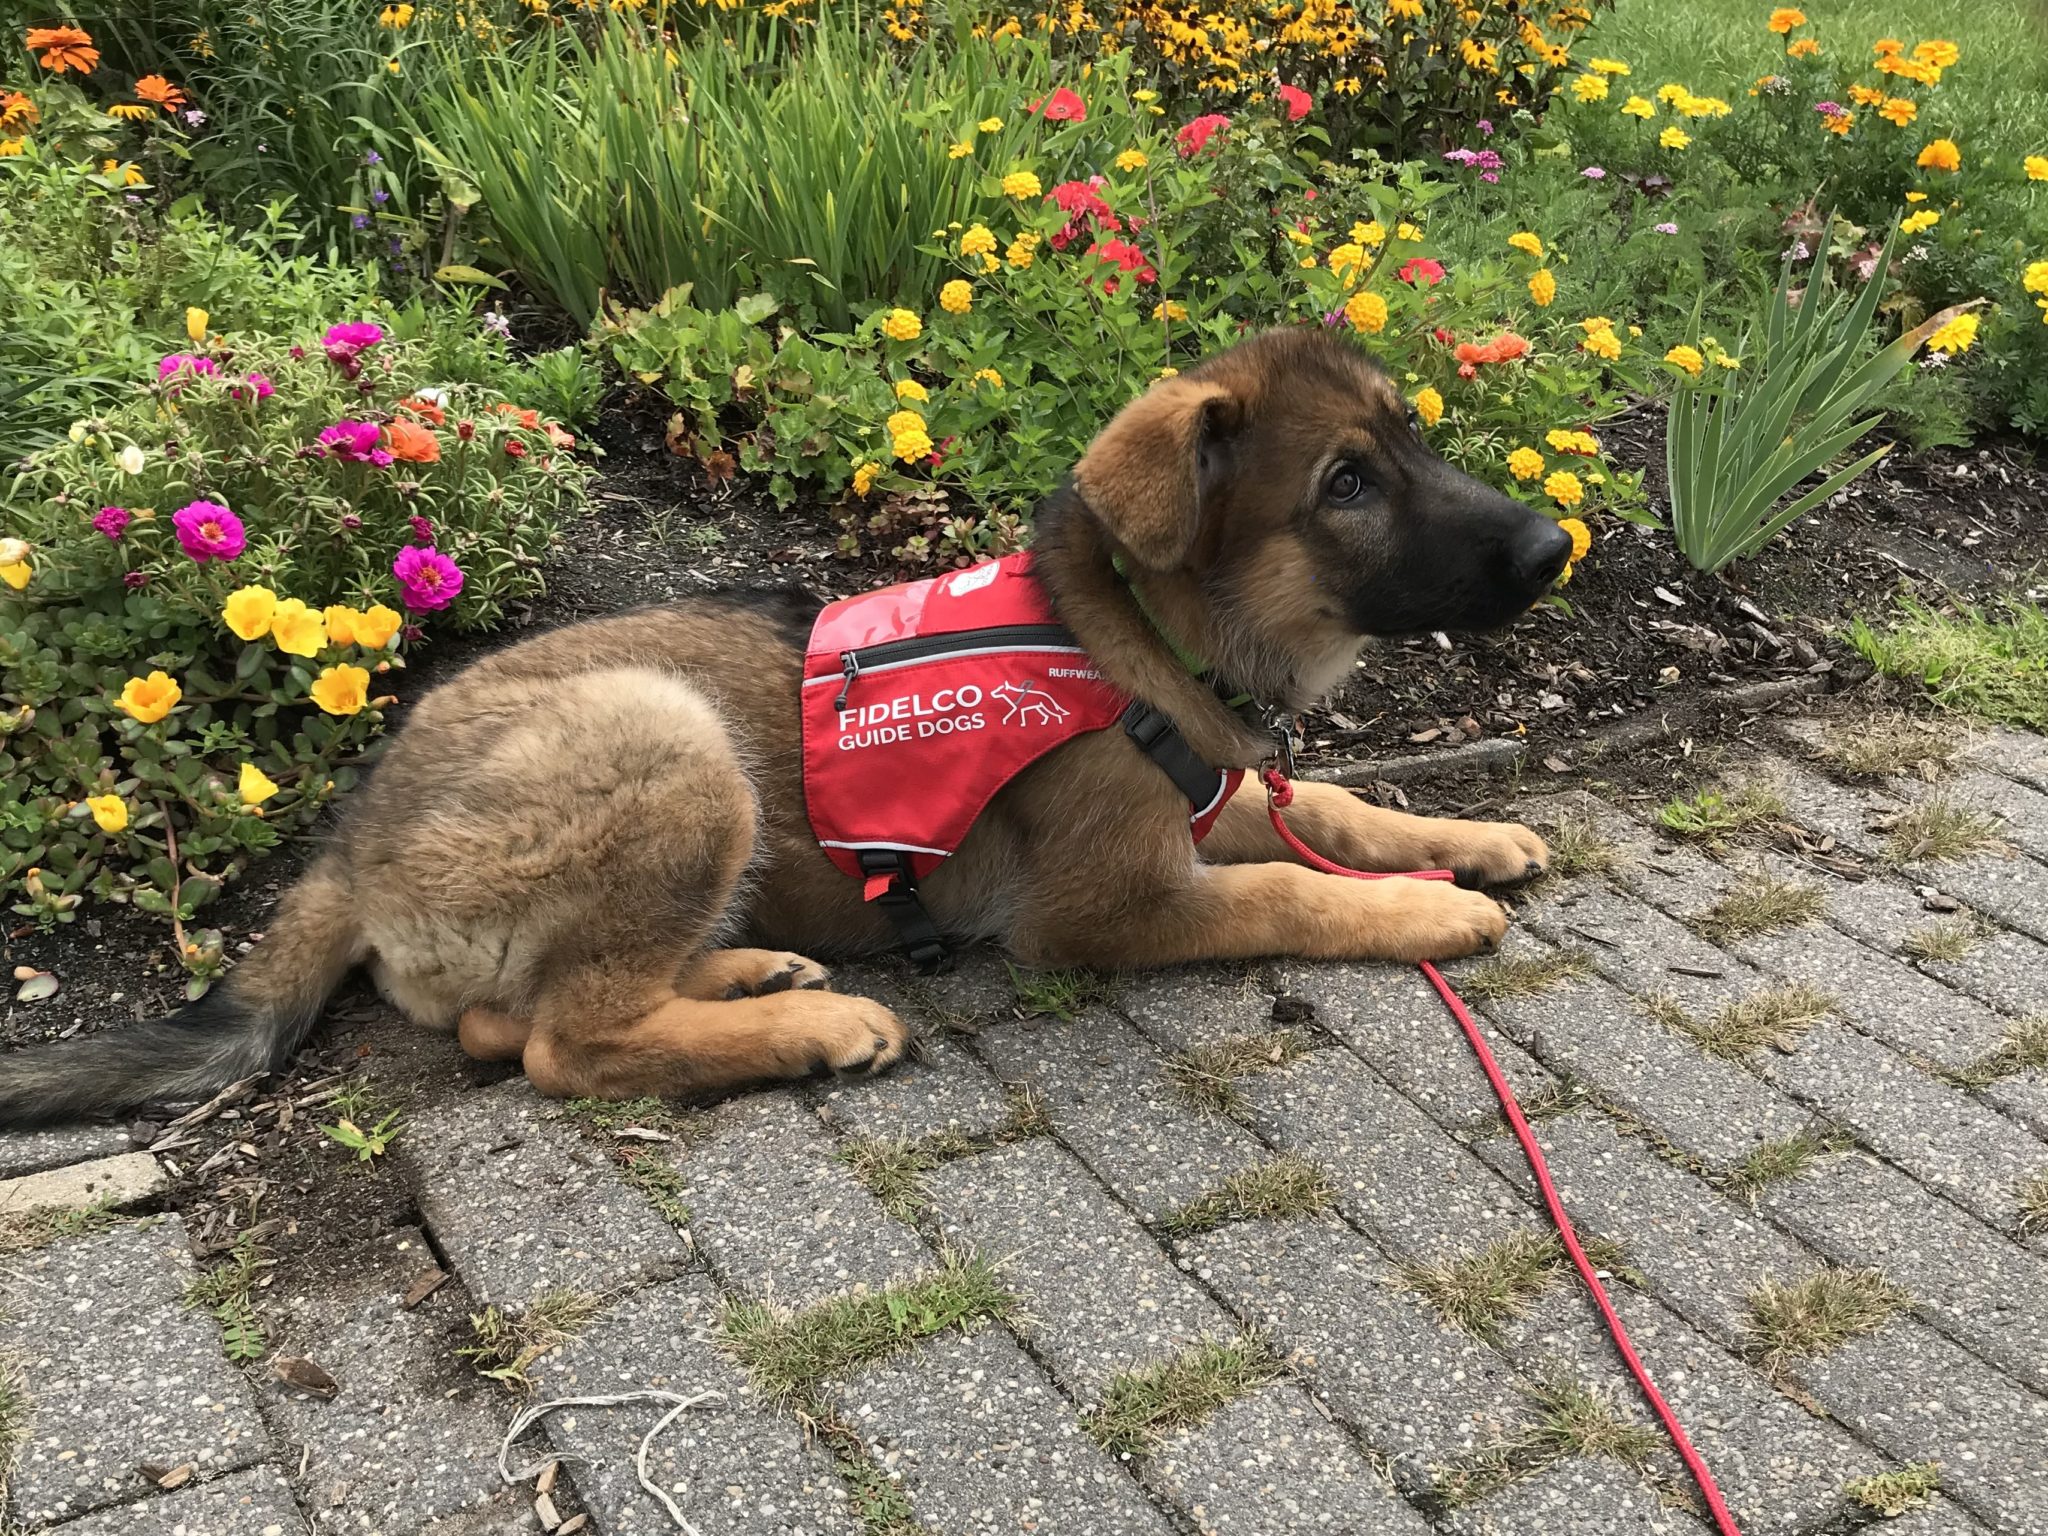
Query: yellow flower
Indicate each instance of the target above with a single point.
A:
(1525, 463)
(255, 786)
(912, 445)
(1021, 250)
(1429, 405)
(1408, 232)
(910, 389)
(1170, 309)
(1865, 95)
(2037, 167)
(195, 325)
(396, 17)
(1937, 51)
(1608, 66)
(1132, 160)
(2036, 278)
(1723, 360)
(1674, 137)
(979, 240)
(1563, 440)
(1562, 487)
(990, 125)
(1941, 155)
(1406, 10)
(1805, 48)
(1542, 287)
(1672, 94)
(16, 573)
(375, 626)
(1590, 88)
(1840, 123)
(1785, 18)
(248, 611)
(150, 698)
(297, 629)
(1369, 235)
(902, 325)
(341, 623)
(988, 376)
(1602, 343)
(130, 111)
(9, 148)
(1582, 536)
(1526, 241)
(1168, 373)
(900, 422)
(957, 297)
(864, 475)
(1022, 185)
(960, 150)
(110, 811)
(1367, 313)
(1954, 337)
(1638, 106)
(1885, 46)
(1898, 110)
(342, 690)
(1687, 358)
(1144, 95)
(1926, 218)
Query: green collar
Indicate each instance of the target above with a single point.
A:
(1195, 666)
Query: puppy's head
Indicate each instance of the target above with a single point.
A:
(1289, 478)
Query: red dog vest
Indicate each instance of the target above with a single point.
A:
(921, 701)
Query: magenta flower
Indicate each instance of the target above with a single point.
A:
(209, 531)
(135, 581)
(1665, 229)
(259, 382)
(171, 367)
(1486, 127)
(351, 339)
(423, 529)
(353, 441)
(112, 521)
(1829, 108)
(427, 579)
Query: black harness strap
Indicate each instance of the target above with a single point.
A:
(921, 938)
(1159, 739)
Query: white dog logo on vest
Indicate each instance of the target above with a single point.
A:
(974, 578)
(1028, 704)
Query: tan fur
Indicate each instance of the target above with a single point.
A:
(562, 842)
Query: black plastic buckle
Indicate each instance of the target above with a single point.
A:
(919, 935)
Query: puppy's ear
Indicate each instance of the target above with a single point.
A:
(1147, 473)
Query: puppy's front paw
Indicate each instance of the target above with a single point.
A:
(1444, 922)
(1494, 853)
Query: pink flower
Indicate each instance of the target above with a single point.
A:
(182, 363)
(259, 382)
(1665, 229)
(1063, 106)
(1486, 127)
(427, 579)
(351, 339)
(135, 581)
(353, 441)
(112, 521)
(1194, 137)
(209, 531)
(423, 529)
(1594, 173)
(1430, 272)
(1296, 100)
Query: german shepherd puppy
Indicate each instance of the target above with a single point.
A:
(562, 843)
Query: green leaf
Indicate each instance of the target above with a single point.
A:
(473, 276)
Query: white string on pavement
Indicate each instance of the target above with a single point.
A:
(528, 1417)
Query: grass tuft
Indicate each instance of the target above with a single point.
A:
(787, 1352)
(41, 1228)
(1714, 814)
(1991, 663)
(507, 1343)
(1946, 941)
(1888, 746)
(893, 1171)
(879, 1501)
(1776, 1161)
(1765, 905)
(1936, 831)
(1480, 1292)
(1206, 1076)
(2024, 1048)
(1141, 1406)
(1772, 1018)
(1284, 1188)
(2032, 1195)
(1893, 1493)
(1061, 994)
(1511, 976)
(1578, 847)
(612, 1115)
(1818, 1314)
(1571, 1419)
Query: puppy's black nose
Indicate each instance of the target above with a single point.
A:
(1540, 551)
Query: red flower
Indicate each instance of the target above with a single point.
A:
(1297, 102)
(1194, 137)
(1504, 348)
(1444, 335)
(1468, 370)
(1063, 106)
(1125, 257)
(1086, 211)
(1431, 272)
(515, 448)
(465, 430)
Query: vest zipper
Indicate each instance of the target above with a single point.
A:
(965, 642)
(849, 662)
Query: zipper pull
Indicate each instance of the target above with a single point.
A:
(850, 666)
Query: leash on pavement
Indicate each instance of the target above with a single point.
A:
(1280, 794)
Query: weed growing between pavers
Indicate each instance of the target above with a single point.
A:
(1988, 663)
(1946, 941)
(1890, 746)
(2024, 1048)
(507, 1343)
(787, 1352)
(1893, 1493)
(226, 1291)
(633, 1131)
(1206, 1075)
(366, 1123)
(880, 1503)
(1546, 1103)
(2032, 1196)
(1480, 1292)
(39, 1229)
(1578, 847)
(1140, 1407)
(1765, 904)
(893, 1170)
(1937, 831)
(15, 1406)
(659, 1180)
(1284, 1188)
(1713, 815)
(1816, 1315)
(1776, 1161)
(1572, 1419)
(1061, 994)
(1774, 1017)
(612, 1116)
(1511, 976)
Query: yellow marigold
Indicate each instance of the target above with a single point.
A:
(1913, 223)
(1370, 234)
(150, 698)
(911, 446)
(1525, 463)
(2036, 277)
(1687, 358)
(375, 626)
(109, 811)
(1785, 18)
(1723, 360)
(1897, 109)
(1563, 487)
(1804, 48)
(1674, 137)
(1671, 93)
(342, 690)
(1022, 185)
(910, 389)
(248, 611)
(1589, 87)
(1841, 123)
(1607, 66)
(903, 421)
(979, 240)
(341, 623)
(254, 785)
(990, 125)
(1865, 95)
(1704, 106)
(2037, 167)
(1367, 313)
(296, 629)
(990, 376)
(1347, 261)
(1886, 46)
(960, 149)
(1582, 536)
(1938, 51)
(1941, 155)
(1169, 309)
(957, 297)
(1602, 343)
(1524, 240)
(1132, 160)
(1409, 232)
(864, 477)
(1542, 287)
(1954, 337)
(902, 325)
(1429, 405)
(1638, 106)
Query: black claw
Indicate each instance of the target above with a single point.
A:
(736, 991)
(1467, 879)
(1532, 869)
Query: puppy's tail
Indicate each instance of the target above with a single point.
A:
(251, 1023)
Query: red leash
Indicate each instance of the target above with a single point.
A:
(1279, 794)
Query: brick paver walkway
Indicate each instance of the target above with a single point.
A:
(1796, 1085)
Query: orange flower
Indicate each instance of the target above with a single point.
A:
(412, 443)
(427, 410)
(1941, 155)
(17, 111)
(63, 48)
(159, 90)
(527, 419)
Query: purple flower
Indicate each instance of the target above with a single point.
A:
(1489, 175)
(193, 117)
(112, 521)
(1594, 173)
(498, 325)
(380, 197)
(380, 458)
(423, 528)
(209, 531)
(1828, 108)
(354, 442)
(1334, 318)
(1800, 252)
(178, 363)
(135, 581)
(1665, 229)
(371, 157)
(1461, 156)
(350, 521)
(427, 579)
(360, 221)
(260, 382)
(1486, 127)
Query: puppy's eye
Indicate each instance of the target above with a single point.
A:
(1348, 484)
